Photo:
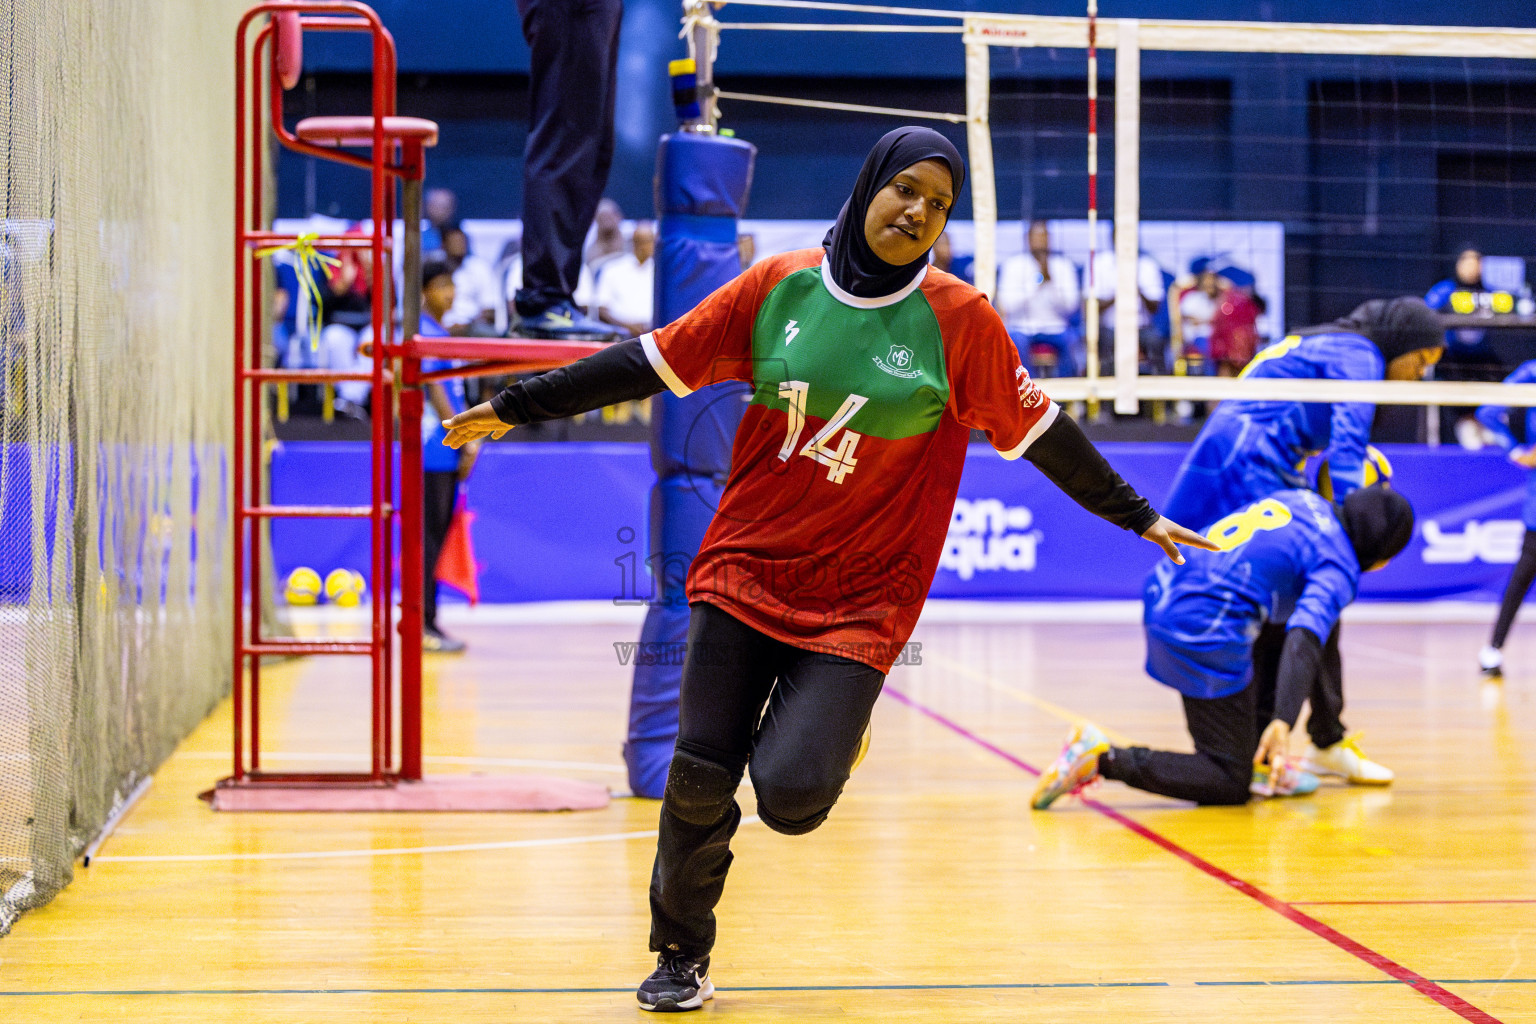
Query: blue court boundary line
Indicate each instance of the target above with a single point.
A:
(978, 986)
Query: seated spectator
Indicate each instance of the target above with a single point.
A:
(1234, 331)
(1463, 292)
(474, 285)
(625, 291)
(1149, 283)
(440, 208)
(1197, 309)
(608, 238)
(1037, 296)
(1469, 354)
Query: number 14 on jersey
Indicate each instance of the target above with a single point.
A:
(839, 461)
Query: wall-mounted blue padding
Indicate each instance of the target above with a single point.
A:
(702, 183)
(653, 699)
(682, 508)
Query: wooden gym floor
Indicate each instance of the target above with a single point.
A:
(932, 894)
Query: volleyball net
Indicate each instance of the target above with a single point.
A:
(115, 404)
(1313, 166)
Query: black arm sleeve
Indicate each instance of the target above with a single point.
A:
(1299, 661)
(1066, 456)
(619, 373)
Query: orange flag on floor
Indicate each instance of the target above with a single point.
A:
(456, 565)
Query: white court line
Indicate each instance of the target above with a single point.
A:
(393, 851)
(472, 762)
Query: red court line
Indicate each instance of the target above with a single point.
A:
(1397, 903)
(1446, 998)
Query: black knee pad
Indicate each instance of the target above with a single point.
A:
(698, 791)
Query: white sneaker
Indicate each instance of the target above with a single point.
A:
(1347, 761)
(1491, 661)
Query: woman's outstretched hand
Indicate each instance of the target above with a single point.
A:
(482, 421)
(1165, 533)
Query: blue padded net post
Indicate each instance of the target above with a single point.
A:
(702, 183)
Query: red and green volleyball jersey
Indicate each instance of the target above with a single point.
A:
(847, 461)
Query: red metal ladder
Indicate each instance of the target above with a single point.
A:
(269, 62)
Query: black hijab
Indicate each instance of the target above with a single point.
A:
(1395, 326)
(854, 265)
(1379, 522)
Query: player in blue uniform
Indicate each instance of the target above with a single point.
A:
(1248, 450)
(1496, 419)
(1291, 557)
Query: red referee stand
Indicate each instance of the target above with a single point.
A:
(391, 149)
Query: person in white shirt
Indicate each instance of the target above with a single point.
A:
(1149, 282)
(476, 294)
(1197, 309)
(624, 294)
(1037, 295)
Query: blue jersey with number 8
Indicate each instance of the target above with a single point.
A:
(1285, 559)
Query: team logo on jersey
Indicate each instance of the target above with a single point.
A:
(1030, 394)
(898, 362)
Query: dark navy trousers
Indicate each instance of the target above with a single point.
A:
(575, 46)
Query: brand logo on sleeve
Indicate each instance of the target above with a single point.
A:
(790, 330)
(898, 362)
(1030, 394)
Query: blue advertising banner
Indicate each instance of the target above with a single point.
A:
(569, 522)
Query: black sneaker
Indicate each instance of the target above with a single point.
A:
(564, 322)
(678, 983)
(434, 642)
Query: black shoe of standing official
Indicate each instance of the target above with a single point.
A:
(563, 322)
(679, 983)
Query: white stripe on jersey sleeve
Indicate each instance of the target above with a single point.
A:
(1041, 425)
(659, 364)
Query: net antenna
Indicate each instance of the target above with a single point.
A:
(1091, 318)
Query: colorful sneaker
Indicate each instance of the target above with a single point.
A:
(1289, 780)
(1346, 760)
(678, 983)
(1075, 767)
(1491, 661)
(564, 322)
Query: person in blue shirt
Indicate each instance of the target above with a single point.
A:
(1463, 292)
(1290, 558)
(444, 468)
(1496, 419)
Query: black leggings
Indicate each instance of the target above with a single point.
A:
(1226, 731)
(1515, 590)
(795, 716)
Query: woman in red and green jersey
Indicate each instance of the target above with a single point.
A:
(869, 371)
